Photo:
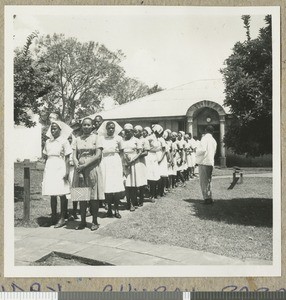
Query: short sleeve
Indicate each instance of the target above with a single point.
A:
(119, 140)
(67, 148)
(139, 144)
(192, 143)
(121, 144)
(146, 145)
(163, 143)
(181, 144)
(99, 142)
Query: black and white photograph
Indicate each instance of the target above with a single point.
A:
(142, 141)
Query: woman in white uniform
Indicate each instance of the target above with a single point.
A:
(112, 165)
(132, 149)
(55, 179)
(152, 166)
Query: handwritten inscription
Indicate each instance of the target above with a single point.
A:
(162, 288)
(38, 287)
(130, 288)
(235, 288)
(34, 287)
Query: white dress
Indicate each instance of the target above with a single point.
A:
(163, 164)
(141, 164)
(189, 154)
(174, 150)
(193, 145)
(55, 169)
(134, 176)
(169, 150)
(112, 164)
(181, 151)
(153, 172)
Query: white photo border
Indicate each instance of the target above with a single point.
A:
(10, 270)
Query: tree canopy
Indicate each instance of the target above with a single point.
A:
(70, 77)
(32, 80)
(248, 87)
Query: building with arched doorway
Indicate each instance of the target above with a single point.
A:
(189, 107)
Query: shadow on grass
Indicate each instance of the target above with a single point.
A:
(248, 212)
(18, 193)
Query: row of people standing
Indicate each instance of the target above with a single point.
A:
(112, 160)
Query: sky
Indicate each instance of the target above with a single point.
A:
(168, 46)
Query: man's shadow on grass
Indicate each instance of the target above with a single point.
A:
(249, 212)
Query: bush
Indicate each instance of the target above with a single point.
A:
(248, 161)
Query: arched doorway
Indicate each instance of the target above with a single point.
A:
(205, 113)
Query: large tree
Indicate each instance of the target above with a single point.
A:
(129, 89)
(72, 78)
(84, 73)
(248, 87)
(32, 81)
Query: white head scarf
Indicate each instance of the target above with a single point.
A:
(102, 128)
(166, 133)
(128, 126)
(138, 127)
(66, 131)
(157, 128)
(148, 129)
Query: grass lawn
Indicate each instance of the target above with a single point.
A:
(239, 224)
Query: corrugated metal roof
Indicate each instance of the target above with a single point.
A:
(172, 102)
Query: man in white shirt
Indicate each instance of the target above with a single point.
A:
(205, 153)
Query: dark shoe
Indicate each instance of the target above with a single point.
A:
(132, 208)
(209, 201)
(53, 221)
(141, 204)
(94, 227)
(73, 217)
(117, 215)
(81, 226)
(109, 214)
(61, 223)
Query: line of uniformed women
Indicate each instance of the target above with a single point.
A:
(114, 162)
